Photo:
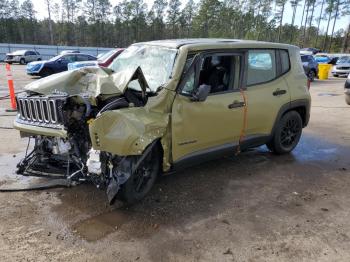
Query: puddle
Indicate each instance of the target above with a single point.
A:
(328, 94)
(98, 227)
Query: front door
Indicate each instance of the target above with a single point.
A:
(207, 126)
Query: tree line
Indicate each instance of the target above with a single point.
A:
(98, 23)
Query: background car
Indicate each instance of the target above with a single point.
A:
(22, 56)
(322, 58)
(342, 67)
(334, 59)
(347, 90)
(311, 49)
(56, 64)
(105, 60)
(64, 52)
(310, 66)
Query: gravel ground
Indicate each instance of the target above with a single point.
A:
(252, 207)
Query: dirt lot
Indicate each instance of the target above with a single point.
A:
(253, 207)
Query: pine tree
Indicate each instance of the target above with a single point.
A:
(173, 16)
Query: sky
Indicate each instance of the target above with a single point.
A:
(343, 22)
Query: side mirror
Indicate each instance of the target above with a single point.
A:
(201, 93)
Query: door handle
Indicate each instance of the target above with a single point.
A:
(236, 104)
(279, 92)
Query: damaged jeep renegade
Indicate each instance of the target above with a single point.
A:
(161, 106)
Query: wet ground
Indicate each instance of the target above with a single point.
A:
(252, 207)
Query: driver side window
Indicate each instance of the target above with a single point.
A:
(219, 71)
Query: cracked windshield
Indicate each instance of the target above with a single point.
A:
(155, 62)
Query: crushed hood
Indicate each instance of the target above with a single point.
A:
(93, 81)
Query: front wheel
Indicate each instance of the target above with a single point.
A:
(22, 61)
(142, 180)
(347, 99)
(287, 133)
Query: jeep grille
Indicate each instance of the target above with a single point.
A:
(41, 111)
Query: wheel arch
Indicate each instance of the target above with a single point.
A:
(302, 106)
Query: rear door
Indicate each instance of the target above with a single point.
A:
(205, 127)
(267, 91)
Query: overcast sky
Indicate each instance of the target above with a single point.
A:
(40, 7)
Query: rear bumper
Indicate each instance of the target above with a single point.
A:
(11, 61)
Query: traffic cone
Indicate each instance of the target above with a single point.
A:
(11, 89)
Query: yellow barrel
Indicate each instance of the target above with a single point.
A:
(323, 71)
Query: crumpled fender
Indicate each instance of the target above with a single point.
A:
(128, 131)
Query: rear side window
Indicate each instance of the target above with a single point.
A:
(261, 66)
(285, 63)
(69, 58)
(82, 58)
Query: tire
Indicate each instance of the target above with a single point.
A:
(45, 72)
(136, 187)
(39, 59)
(22, 61)
(287, 133)
(311, 75)
(335, 75)
(347, 99)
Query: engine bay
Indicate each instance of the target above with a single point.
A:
(71, 156)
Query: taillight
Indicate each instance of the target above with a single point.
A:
(308, 84)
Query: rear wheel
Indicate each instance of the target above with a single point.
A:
(287, 133)
(311, 75)
(347, 99)
(143, 179)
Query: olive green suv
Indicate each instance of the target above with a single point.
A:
(162, 106)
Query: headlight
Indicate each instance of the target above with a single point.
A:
(34, 67)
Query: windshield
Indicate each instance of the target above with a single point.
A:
(55, 58)
(105, 56)
(155, 62)
(344, 60)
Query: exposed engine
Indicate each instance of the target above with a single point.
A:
(70, 156)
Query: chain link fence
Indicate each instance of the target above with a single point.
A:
(48, 51)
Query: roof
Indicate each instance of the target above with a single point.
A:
(200, 42)
(176, 43)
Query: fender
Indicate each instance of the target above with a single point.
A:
(127, 131)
